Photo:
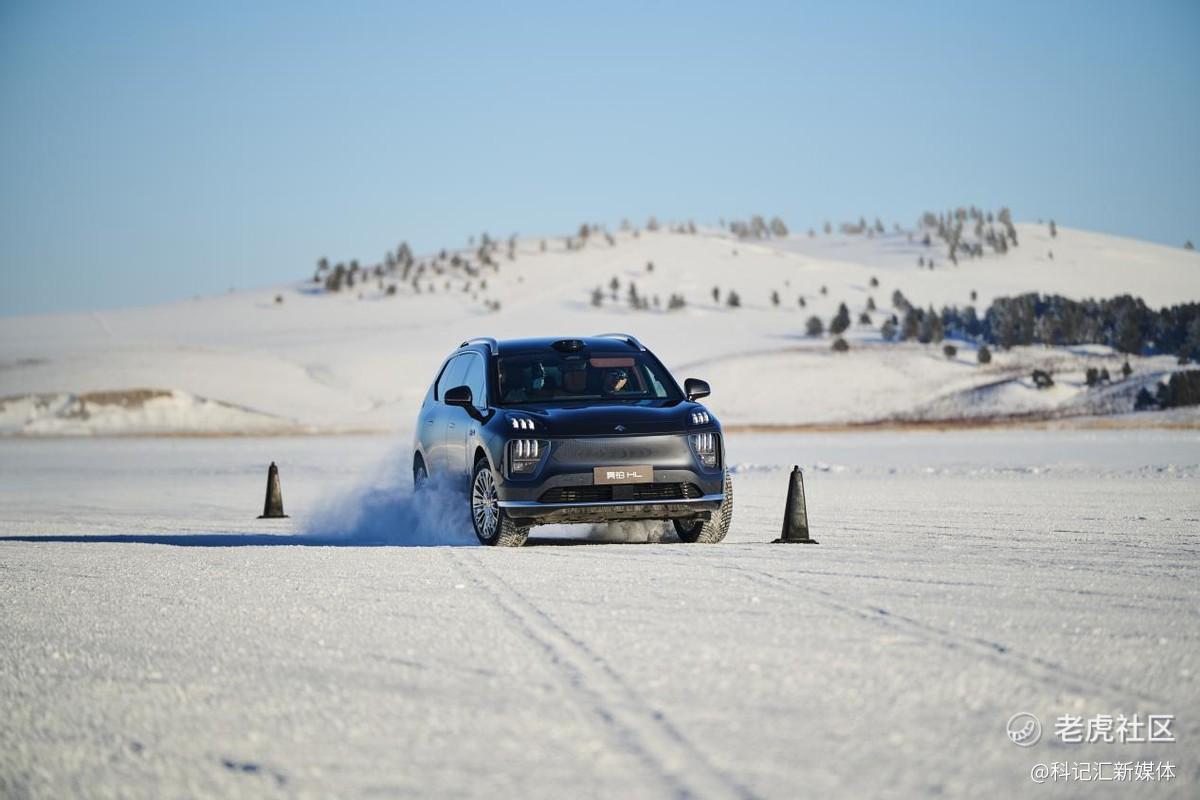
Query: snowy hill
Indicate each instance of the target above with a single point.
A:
(298, 358)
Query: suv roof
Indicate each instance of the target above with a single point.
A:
(610, 342)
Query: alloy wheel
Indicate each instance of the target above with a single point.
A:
(485, 504)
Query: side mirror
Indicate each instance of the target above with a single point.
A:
(459, 396)
(694, 388)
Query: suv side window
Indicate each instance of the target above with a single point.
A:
(476, 379)
(451, 376)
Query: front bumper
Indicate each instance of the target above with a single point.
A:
(562, 489)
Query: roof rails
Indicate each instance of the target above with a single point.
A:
(490, 341)
(625, 337)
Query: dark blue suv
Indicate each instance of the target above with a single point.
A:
(595, 429)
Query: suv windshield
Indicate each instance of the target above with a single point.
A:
(552, 376)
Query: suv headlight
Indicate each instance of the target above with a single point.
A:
(707, 447)
(524, 455)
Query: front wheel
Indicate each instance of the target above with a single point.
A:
(712, 530)
(492, 524)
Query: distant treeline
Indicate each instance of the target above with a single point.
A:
(1124, 323)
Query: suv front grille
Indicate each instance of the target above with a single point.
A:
(633, 492)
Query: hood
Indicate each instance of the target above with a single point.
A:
(602, 419)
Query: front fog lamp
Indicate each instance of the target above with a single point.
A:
(524, 455)
(706, 446)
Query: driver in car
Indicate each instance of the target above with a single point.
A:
(616, 381)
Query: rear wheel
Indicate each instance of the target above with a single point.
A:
(492, 523)
(712, 530)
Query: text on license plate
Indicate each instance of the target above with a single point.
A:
(639, 474)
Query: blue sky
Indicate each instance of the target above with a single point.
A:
(150, 151)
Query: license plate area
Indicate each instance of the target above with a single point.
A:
(635, 474)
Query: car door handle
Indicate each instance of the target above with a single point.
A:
(429, 420)
(451, 425)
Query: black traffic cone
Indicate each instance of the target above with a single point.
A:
(795, 513)
(273, 505)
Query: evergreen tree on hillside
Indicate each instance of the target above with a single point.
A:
(841, 321)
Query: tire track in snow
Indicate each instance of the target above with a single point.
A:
(1030, 666)
(643, 731)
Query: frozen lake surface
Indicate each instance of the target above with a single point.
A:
(159, 641)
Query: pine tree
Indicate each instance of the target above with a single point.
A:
(937, 330)
(814, 326)
(841, 321)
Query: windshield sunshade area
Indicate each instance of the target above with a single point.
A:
(549, 377)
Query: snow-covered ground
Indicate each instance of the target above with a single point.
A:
(158, 641)
(361, 360)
